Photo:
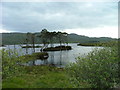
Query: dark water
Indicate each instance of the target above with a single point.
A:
(57, 58)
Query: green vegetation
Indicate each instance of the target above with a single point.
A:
(39, 77)
(40, 55)
(9, 66)
(50, 38)
(20, 38)
(103, 44)
(89, 44)
(30, 39)
(58, 48)
(93, 44)
(17, 76)
(34, 56)
(99, 69)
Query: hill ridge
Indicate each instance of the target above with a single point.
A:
(19, 38)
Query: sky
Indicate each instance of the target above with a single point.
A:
(93, 19)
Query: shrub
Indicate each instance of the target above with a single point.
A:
(9, 63)
(99, 69)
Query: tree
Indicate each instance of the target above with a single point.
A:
(51, 36)
(62, 37)
(59, 36)
(27, 41)
(44, 36)
(33, 41)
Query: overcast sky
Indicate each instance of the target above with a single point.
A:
(94, 19)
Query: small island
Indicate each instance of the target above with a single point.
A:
(88, 44)
(2, 45)
(58, 48)
(100, 44)
(31, 46)
(92, 43)
(33, 56)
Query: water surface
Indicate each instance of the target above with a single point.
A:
(57, 58)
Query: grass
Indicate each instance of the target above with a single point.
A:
(39, 77)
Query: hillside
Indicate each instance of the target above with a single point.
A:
(85, 39)
(19, 38)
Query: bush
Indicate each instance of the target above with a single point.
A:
(99, 69)
(9, 63)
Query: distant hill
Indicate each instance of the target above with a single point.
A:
(85, 39)
(19, 38)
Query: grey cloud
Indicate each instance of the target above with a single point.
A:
(32, 16)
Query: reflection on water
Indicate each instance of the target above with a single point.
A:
(57, 58)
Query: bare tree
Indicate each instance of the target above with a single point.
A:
(33, 41)
(62, 37)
